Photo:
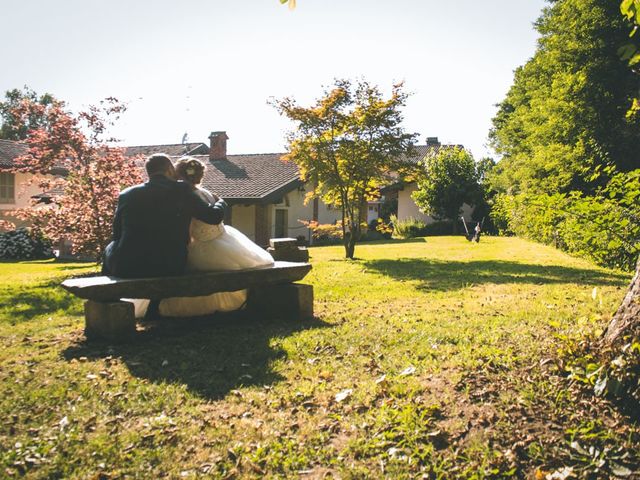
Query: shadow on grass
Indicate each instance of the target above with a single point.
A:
(393, 241)
(452, 275)
(24, 302)
(209, 355)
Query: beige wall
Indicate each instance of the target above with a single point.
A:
(23, 194)
(328, 215)
(407, 207)
(297, 210)
(243, 217)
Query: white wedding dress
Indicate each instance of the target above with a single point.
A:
(212, 248)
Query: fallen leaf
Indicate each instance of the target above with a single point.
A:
(343, 395)
(561, 474)
(408, 371)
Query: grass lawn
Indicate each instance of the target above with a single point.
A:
(429, 358)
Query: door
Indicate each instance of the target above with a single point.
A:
(282, 224)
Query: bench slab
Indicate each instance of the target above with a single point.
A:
(108, 289)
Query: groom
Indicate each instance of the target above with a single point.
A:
(151, 225)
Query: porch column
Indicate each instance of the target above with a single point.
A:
(263, 225)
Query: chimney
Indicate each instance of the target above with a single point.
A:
(432, 141)
(218, 146)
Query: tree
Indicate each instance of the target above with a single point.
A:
(97, 172)
(292, 3)
(566, 111)
(626, 321)
(446, 180)
(630, 51)
(345, 145)
(13, 128)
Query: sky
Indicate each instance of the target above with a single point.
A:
(196, 66)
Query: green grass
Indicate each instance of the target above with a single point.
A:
(449, 351)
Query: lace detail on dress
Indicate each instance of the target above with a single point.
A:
(200, 231)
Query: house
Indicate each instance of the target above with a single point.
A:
(265, 193)
(15, 188)
(402, 190)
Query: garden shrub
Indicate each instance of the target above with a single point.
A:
(604, 227)
(408, 228)
(324, 233)
(24, 244)
(440, 227)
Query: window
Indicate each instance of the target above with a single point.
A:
(7, 188)
(281, 223)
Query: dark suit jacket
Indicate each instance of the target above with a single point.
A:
(151, 228)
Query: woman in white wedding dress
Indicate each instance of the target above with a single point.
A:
(212, 248)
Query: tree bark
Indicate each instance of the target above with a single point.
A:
(350, 245)
(626, 321)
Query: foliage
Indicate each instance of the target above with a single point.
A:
(604, 227)
(24, 244)
(292, 3)
(446, 181)
(324, 233)
(96, 172)
(13, 127)
(608, 373)
(631, 50)
(384, 228)
(439, 228)
(407, 228)
(412, 228)
(565, 113)
(345, 144)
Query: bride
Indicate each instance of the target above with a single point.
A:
(212, 247)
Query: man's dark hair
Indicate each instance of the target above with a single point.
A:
(157, 163)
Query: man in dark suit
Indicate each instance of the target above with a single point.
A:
(151, 225)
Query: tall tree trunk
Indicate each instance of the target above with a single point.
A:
(626, 321)
(350, 246)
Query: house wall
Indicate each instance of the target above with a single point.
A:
(407, 208)
(23, 194)
(328, 215)
(297, 210)
(243, 218)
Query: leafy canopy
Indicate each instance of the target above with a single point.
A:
(447, 180)
(346, 144)
(14, 128)
(566, 111)
(96, 172)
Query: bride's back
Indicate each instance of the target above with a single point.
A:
(200, 231)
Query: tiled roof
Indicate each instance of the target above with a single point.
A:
(174, 149)
(422, 151)
(9, 151)
(262, 177)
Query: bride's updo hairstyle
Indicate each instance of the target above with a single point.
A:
(190, 170)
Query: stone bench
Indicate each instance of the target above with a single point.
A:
(272, 294)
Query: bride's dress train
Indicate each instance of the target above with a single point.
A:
(213, 248)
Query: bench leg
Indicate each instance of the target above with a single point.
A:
(290, 301)
(109, 320)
